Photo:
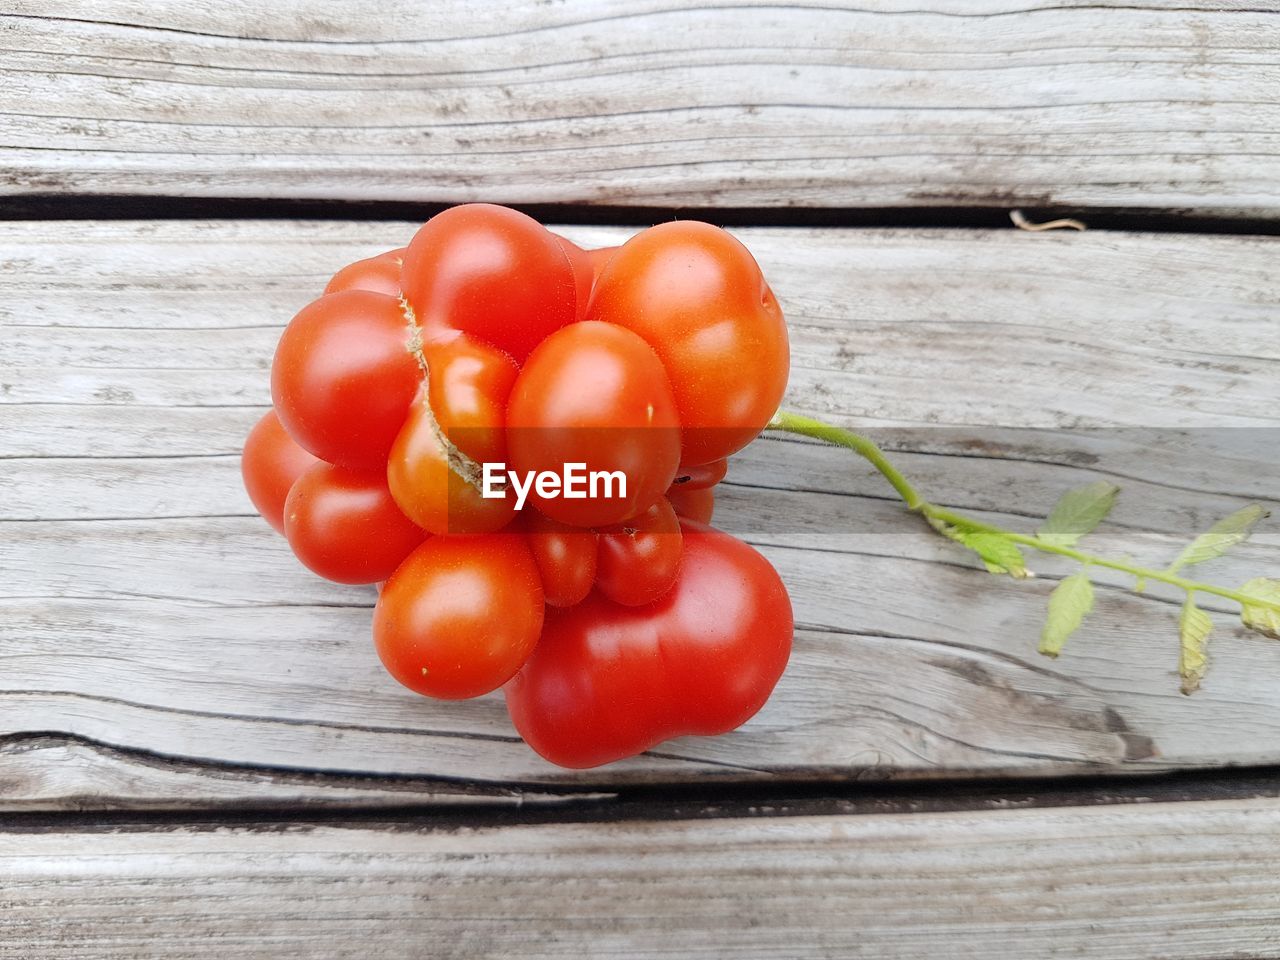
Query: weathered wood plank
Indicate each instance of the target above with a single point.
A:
(1191, 880)
(938, 103)
(151, 623)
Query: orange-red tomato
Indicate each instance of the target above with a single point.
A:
(342, 379)
(697, 504)
(696, 295)
(343, 525)
(566, 558)
(270, 464)
(460, 615)
(638, 559)
(490, 272)
(380, 274)
(595, 394)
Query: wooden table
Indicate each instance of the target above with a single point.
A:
(199, 754)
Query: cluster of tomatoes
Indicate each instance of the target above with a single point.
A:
(613, 621)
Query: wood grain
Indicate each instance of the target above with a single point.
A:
(154, 631)
(938, 103)
(1109, 883)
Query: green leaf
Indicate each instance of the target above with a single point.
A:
(998, 553)
(1221, 537)
(1078, 512)
(1069, 603)
(1265, 620)
(1194, 626)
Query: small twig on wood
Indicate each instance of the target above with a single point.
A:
(1022, 223)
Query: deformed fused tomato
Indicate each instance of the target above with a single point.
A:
(608, 681)
(380, 274)
(640, 557)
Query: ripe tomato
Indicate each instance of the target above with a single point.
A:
(380, 274)
(460, 615)
(342, 379)
(595, 394)
(566, 558)
(608, 681)
(697, 296)
(469, 386)
(697, 504)
(270, 464)
(491, 272)
(583, 275)
(599, 258)
(638, 559)
(343, 525)
(700, 477)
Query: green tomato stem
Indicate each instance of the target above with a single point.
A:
(786, 422)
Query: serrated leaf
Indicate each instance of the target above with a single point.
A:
(1264, 620)
(1222, 536)
(1069, 604)
(999, 554)
(1194, 627)
(1078, 512)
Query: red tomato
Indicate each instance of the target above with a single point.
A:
(599, 258)
(460, 615)
(697, 504)
(566, 558)
(271, 462)
(343, 525)
(583, 275)
(380, 274)
(430, 491)
(491, 272)
(700, 477)
(342, 379)
(697, 296)
(639, 559)
(469, 386)
(608, 681)
(595, 394)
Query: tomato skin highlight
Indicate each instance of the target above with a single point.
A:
(696, 295)
(269, 465)
(460, 615)
(490, 272)
(342, 378)
(595, 394)
(697, 504)
(608, 681)
(566, 558)
(380, 274)
(344, 525)
(639, 559)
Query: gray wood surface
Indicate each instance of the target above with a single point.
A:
(893, 103)
(1109, 883)
(160, 647)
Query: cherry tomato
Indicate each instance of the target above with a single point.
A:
(428, 488)
(583, 275)
(638, 559)
(595, 394)
(566, 558)
(697, 296)
(460, 615)
(342, 379)
(599, 258)
(343, 525)
(380, 274)
(697, 504)
(469, 386)
(608, 681)
(490, 272)
(270, 464)
(700, 477)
